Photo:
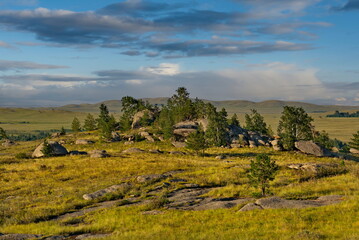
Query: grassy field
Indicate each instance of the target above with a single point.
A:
(35, 190)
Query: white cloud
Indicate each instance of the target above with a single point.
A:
(168, 69)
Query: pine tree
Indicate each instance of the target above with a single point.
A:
(165, 123)
(181, 106)
(89, 123)
(255, 122)
(62, 131)
(234, 120)
(3, 134)
(294, 125)
(322, 138)
(354, 143)
(47, 149)
(217, 134)
(196, 141)
(76, 125)
(106, 123)
(262, 171)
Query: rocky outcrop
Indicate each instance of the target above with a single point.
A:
(56, 150)
(147, 136)
(100, 193)
(83, 142)
(276, 145)
(279, 203)
(354, 151)
(136, 122)
(98, 154)
(151, 178)
(115, 137)
(312, 148)
(184, 129)
(133, 150)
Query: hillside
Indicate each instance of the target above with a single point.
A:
(233, 106)
(166, 195)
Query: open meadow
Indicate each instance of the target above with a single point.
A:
(37, 193)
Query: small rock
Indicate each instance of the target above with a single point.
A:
(177, 153)
(133, 150)
(75, 153)
(129, 143)
(221, 157)
(8, 143)
(83, 142)
(354, 151)
(153, 212)
(98, 154)
(250, 207)
(179, 144)
(102, 192)
(155, 151)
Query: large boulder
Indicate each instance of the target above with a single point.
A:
(310, 147)
(136, 122)
(133, 150)
(98, 154)
(184, 129)
(57, 150)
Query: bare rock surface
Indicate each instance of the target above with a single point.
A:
(98, 154)
(310, 147)
(133, 150)
(8, 143)
(312, 167)
(102, 192)
(280, 203)
(354, 150)
(83, 142)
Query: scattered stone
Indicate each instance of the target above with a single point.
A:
(280, 203)
(221, 157)
(115, 137)
(236, 145)
(55, 135)
(75, 153)
(133, 150)
(83, 142)
(312, 167)
(8, 143)
(129, 143)
(252, 144)
(176, 180)
(179, 144)
(161, 138)
(310, 147)
(151, 178)
(19, 236)
(98, 154)
(250, 207)
(210, 204)
(111, 189)
(276, 145)
(57, 150)
(335, 149)
(354, 151)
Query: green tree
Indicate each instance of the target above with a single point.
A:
(255, 122)
(234, 120)
(62, 131)
(47, 149)
(262, 171)
(165, 122)
(106, 123)
(76, 125)
(196, 141)
(217, 134)
(294, 125)
(89, 123)
(3, 134)
(354, 143)
(322, 138)
(181, 106)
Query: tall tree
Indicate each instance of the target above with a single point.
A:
(196, 141)
(294, 125)
(234, 120)
(181, 106)
(217, 134)
(255, 122)
(76, 125)
(89, 123)
(105, 123)
(262, 171)
(354, 143)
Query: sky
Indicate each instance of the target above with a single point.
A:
(54, 53)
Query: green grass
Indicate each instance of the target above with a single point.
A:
(34, 190)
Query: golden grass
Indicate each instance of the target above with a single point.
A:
(33, 190)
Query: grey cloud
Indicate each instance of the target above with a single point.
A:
(131, 53)
(350, 5)
(46, 77)
(21, 65)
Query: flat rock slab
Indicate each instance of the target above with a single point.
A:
(210, 203)
(102, 192)
(133, 150)
(279, 203)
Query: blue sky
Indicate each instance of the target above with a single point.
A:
(59, 52)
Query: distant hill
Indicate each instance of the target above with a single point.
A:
(233, 106)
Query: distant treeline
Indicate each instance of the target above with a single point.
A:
(35, 135)
(344, 114)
